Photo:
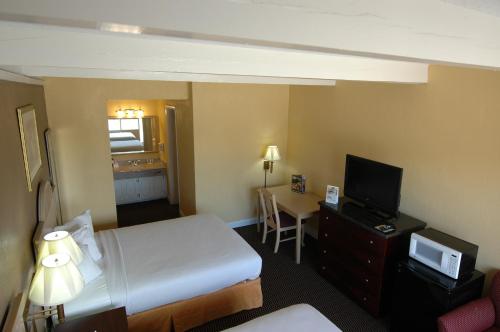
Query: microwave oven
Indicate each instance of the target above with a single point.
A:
(442, 252)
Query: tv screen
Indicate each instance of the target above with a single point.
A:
(372, 183)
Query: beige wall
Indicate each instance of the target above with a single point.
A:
(18, 214)
(77, 113)
(233, 123)
(445, 135)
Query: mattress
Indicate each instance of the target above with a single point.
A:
(122, 136)
(296, 318)
(153, 264)
(123, 146)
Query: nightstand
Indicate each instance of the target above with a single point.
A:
(114, 320)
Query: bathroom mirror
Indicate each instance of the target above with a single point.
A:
(133, 135)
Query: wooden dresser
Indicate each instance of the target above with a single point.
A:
(357, 258)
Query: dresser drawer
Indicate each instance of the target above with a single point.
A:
(354, 255)
(335, 228)
(367, 300)
(357, 275)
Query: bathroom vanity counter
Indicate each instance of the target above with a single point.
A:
(133, 168)
(138, 182)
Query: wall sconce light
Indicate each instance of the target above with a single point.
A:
(272, 155)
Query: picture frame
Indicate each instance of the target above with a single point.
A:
(29, 142)
(332, 194)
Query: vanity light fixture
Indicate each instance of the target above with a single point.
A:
(120, 113)
(130, 113)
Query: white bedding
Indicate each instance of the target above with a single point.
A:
(94, 298)
(153, 264)
(296, 318)
(123, 146)
(121, 136)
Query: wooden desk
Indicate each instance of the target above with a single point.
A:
(300, 206)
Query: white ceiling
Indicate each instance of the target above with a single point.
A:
(321, 40)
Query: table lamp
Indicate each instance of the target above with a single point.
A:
(57, 280)
(59, 242)
(272, 155)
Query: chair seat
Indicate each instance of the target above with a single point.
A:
(287, 220)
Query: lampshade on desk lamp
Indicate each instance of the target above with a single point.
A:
(56, 281)
(59, 242)
(272, 155)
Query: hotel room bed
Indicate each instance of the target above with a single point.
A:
(124, 141)
(129, 145)
(181, 272)
(296, 318)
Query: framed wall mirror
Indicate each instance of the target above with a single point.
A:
(133, 134)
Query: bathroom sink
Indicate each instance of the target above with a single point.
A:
(137, 170)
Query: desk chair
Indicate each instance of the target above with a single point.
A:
(276, 220)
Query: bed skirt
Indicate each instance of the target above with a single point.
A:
(184, 315)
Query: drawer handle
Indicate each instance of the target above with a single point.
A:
(326, 217)
(323, 267)
(326, 234)
(371, 241)
(324, 251)
(366, 280)
(369, 261)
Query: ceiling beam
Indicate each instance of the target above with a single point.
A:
(431, 31)
(45, 48)
(163, 76)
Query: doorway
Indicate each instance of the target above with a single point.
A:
(139, 137)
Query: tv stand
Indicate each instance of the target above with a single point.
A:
(359, 259)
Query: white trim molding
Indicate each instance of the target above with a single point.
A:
(13, 77)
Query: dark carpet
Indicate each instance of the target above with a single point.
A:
(285, 283)
(144, 212)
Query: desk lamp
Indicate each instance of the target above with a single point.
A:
(56, 281)
(59, 242)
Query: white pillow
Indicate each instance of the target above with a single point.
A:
(82, 231)
(87, 267)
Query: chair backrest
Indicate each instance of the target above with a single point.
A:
(269, 208)
(495, 296)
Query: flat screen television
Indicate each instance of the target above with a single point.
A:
(374, 184)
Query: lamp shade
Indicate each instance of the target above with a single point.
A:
(272, 153)
(56, 281)
(59, 242)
